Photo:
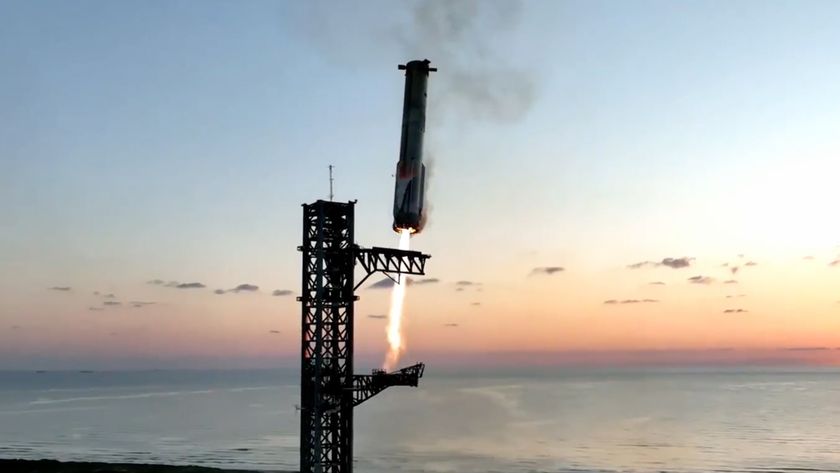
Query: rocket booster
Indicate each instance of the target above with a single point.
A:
(411, 173)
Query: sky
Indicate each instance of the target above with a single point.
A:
(616, 182)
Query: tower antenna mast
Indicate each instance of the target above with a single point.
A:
(331, 183)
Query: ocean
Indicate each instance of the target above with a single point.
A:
(560, 420)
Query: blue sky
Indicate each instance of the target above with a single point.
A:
(176, 140)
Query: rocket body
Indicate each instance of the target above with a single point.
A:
(410, 177)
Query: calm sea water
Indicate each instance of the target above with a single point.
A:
(565, 421)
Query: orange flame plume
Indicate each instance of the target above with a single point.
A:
(396, 345)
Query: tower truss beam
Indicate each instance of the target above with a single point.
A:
(391, 262)
(365, 386)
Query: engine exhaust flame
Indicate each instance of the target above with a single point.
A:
(394, 329)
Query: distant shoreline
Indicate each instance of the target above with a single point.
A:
(54, 466)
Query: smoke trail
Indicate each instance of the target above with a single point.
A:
(468, 40)
(394, 330)
(475, 80)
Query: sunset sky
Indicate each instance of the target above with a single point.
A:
(145, 143)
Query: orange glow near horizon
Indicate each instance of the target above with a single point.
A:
(789, 313)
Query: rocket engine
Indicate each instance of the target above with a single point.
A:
(411, 173)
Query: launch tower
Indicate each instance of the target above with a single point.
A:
(328, 388)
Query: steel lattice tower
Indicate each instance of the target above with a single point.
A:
(329, 389)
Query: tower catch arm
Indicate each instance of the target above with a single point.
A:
(390, 261)
(365, 386)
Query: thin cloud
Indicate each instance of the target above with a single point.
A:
(674, 263)
(245, 288)
(467, 283)
(95, 309)
(281, 292)
(190, 285)
(426, 281)
(476, 304)
(808, 258)
(240, 288)
(834, 263)
(700, 280)
(734, 269)
(656, 283)
(806, 349)
(730, 281)
(377, 316)
(450, 325)
(388, 283)
(109, 296)
(15, 327)
(731, 296)
(547, 270)
(140, 304)
(734, 311)
(750, 263)
(274, 331)
(677, 263)
(459, 289)
(161, 282)
(61, 288)
(631, 301)
(112, 303)
(385, 283)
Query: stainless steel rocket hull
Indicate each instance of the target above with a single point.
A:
(410, 186)
(409, 195)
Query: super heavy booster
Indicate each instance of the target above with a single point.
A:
(411, 173)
